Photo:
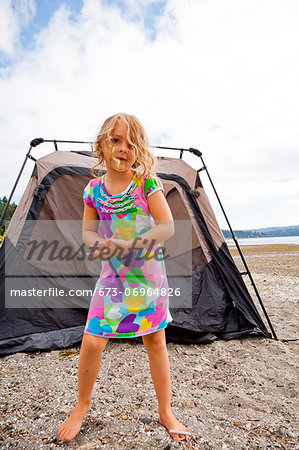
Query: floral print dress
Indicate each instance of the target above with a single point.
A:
(131, 295)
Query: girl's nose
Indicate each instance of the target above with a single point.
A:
(124, 148)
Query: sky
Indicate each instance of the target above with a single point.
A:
(218, 75)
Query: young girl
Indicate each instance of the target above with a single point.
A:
(134, 214)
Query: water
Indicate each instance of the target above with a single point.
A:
(265, 240)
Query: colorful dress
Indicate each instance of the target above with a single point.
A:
(131, 296)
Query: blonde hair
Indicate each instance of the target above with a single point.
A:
(137, 138)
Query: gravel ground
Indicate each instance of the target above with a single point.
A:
(239, 394)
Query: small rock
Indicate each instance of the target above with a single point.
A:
(124, 417)
(146, 420)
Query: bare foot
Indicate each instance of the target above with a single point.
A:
(71, 427)
(169, 421)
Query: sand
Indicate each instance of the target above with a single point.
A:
(239, 394)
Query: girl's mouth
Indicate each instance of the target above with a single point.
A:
(118, 161)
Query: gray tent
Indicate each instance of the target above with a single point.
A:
(221, 307)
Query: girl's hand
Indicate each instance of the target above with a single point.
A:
(102, 244)
(113, 241)
(111, 244)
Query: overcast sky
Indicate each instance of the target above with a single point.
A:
(218, 75)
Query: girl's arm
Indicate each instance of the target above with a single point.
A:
(164, 228)
(90, 226)
(91, 237)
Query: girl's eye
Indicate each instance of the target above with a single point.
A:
(115, 140)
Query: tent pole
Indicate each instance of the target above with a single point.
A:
(33, 143)
(199, 154)
(240, 251)
(15, 185)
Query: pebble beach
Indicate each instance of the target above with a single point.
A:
(239, 394)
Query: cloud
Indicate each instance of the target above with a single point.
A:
(136, 10)
(9, 27)
(219, 76)
(14, 14)
(25, 11)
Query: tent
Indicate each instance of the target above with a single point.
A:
(221, 306)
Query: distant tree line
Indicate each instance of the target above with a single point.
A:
(9, 213)
(263, 232)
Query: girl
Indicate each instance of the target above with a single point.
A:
(133, 214)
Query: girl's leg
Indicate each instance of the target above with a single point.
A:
(155, 345)
(89, 364)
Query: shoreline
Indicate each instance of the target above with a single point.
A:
(262, 248)
(274, 259)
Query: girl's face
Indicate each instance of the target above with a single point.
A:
(122, 156)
